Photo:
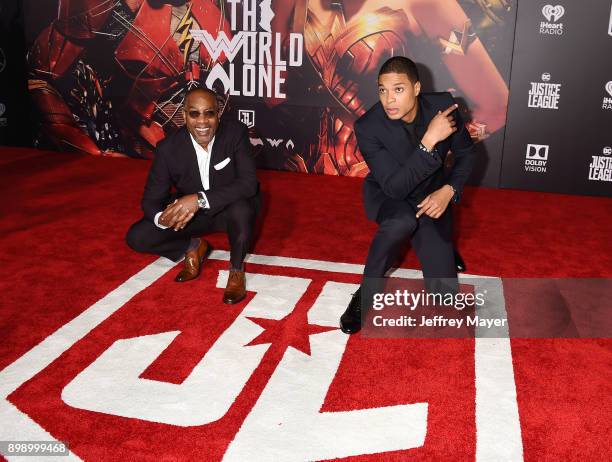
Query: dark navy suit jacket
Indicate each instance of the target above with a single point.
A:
(231, 175)
(398, 168)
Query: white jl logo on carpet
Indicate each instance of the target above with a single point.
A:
(286, 422)
(212, 387)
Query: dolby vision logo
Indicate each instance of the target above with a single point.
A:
(536, 158)
(537, 151)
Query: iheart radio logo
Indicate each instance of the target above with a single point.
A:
(553, 13)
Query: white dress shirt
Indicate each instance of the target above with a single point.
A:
(203, 156)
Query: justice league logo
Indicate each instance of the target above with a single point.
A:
(247, 117)
(270, 380)
(600, 168)
(544, 95)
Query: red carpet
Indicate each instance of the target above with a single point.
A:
(64, 218)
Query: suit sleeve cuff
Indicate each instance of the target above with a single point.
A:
(433, 153)
(207, 204)
(156, 221)
(457, 191)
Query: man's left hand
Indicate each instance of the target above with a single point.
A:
(436, 203)
(180, 212)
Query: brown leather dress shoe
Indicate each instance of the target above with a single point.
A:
(193, 262)
(235, 290)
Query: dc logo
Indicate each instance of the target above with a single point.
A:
(537, 152)
(607, 151)
(247, 117)
(553, 13)
(546, 77)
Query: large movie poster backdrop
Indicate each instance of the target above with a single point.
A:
(109, 76)
(559, 134)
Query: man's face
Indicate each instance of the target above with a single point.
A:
(398, 96)
(201, 117)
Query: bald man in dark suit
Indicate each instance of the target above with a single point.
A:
(209, 164)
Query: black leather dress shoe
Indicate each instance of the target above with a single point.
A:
(459, 263)
(350, 321)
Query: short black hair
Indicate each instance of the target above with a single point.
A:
(400, 65)
(191, 91)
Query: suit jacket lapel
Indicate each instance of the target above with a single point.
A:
(192, 169)
(422, 116)
(216, 154)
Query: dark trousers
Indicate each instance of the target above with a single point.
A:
(237, 219)
(431, 240)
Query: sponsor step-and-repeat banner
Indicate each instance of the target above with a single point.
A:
(558, 136)
(109, 77)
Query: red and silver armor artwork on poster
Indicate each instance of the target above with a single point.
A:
(108, 77)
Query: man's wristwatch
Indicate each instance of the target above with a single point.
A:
(431, 152)
(202, 202)
(455, 197)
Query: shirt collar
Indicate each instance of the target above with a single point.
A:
(197, 147)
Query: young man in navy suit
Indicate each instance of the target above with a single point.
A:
(210, 165)
(404, 140)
